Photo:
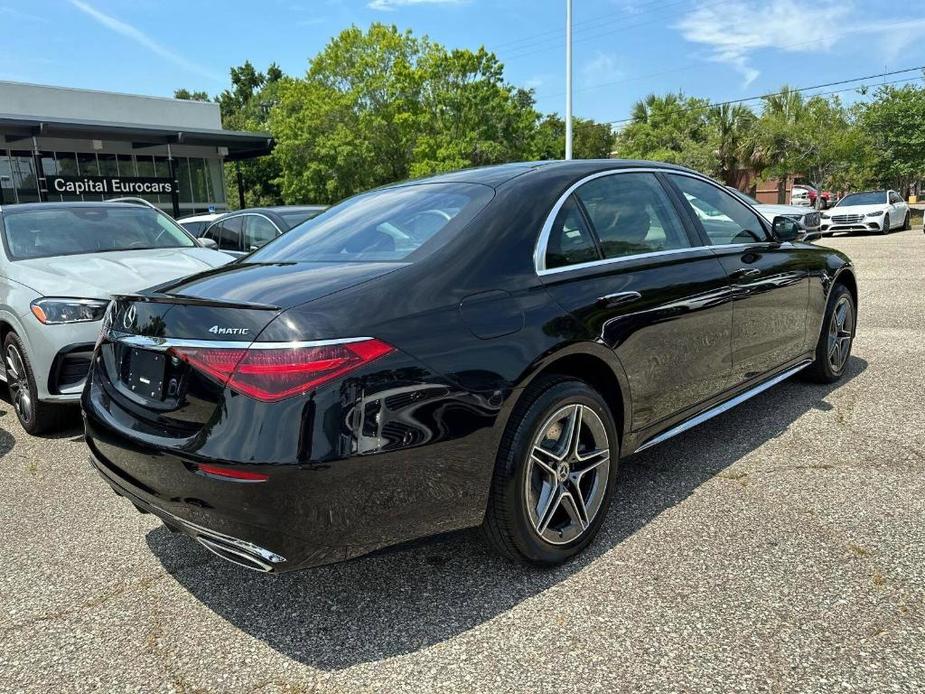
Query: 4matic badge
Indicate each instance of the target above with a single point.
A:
(218, 330)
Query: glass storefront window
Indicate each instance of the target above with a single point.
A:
(24, 179)
(107, 164)
(144, 165)
(198, 179)
(183, 178)
(7, 194)
(126, 163)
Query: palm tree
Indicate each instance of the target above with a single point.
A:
(733, 127)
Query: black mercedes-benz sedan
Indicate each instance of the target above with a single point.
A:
(475, 349)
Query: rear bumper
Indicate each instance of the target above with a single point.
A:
(334, 489)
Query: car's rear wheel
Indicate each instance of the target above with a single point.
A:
(836, 339)
(554, 474)
(36, 417)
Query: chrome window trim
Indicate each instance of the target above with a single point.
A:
(621, 259)
(162, 344)
(539, 250)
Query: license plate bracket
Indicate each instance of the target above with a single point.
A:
(145, 375)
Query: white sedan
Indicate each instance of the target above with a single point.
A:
(808, 218)
(879, 211)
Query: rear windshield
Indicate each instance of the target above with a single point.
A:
(46, 232)
(875, 198)
(295, 218)
(396, 224)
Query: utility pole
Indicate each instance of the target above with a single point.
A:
(568, 79)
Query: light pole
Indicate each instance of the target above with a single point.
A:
(568, 79)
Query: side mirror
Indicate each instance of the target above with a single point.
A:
(786, 229)
(208, 243)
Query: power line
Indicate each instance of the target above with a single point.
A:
(591, 22)
(544, 45)
(804, 89)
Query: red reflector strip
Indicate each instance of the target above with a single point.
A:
(232, 474)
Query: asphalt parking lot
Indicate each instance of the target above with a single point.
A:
(778, 548)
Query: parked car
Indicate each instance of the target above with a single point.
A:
(805, 194)
(809, 220)
(247, 230)
(478, 348)
(877, 210)
(196, 224)
(59, 265)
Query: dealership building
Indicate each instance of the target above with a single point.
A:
(59, 144)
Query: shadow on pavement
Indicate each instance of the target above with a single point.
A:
(410, 598)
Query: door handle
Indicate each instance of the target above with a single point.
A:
(618, 298)
(745, 272)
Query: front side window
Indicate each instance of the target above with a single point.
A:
(724, 219)
(631, 214)
(258, 231)
(394, 224)
(42, 233)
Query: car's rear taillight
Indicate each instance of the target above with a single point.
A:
(275, 373)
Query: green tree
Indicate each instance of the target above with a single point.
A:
(590, 139)
(187, 95)
(731, 134)
(672, 128)
(381, 105)
(894, 123)
(246, 105)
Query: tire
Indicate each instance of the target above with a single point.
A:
(824, 368)
(886, 225)
(532, 514)
(907, 223)
(36, 417)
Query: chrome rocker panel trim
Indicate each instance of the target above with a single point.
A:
(723, 406)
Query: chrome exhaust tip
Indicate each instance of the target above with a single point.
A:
(233, 554)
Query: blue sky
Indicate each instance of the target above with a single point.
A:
(624, 49)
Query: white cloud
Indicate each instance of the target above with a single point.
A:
(142, 39)
(20, 15)
(389, 5)
(602, 66)
(734, 31)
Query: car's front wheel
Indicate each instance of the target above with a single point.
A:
(36, 417)
(836, 338)
(554, 474)
(907, 223)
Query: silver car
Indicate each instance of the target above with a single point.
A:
(59, 265)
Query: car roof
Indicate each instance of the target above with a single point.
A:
(69, 205)
(499, 174)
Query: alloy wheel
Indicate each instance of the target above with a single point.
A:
(18, 383)
(841, 333)
(567, 474)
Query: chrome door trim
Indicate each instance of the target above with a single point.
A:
(162, 344)
(723, 406)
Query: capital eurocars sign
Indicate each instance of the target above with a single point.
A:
(110, 185)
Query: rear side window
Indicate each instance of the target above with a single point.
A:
(394, 224)
(632, 214)
(570, 239)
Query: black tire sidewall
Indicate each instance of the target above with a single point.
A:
(30, 426)
(822, 357)
(530, 545)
